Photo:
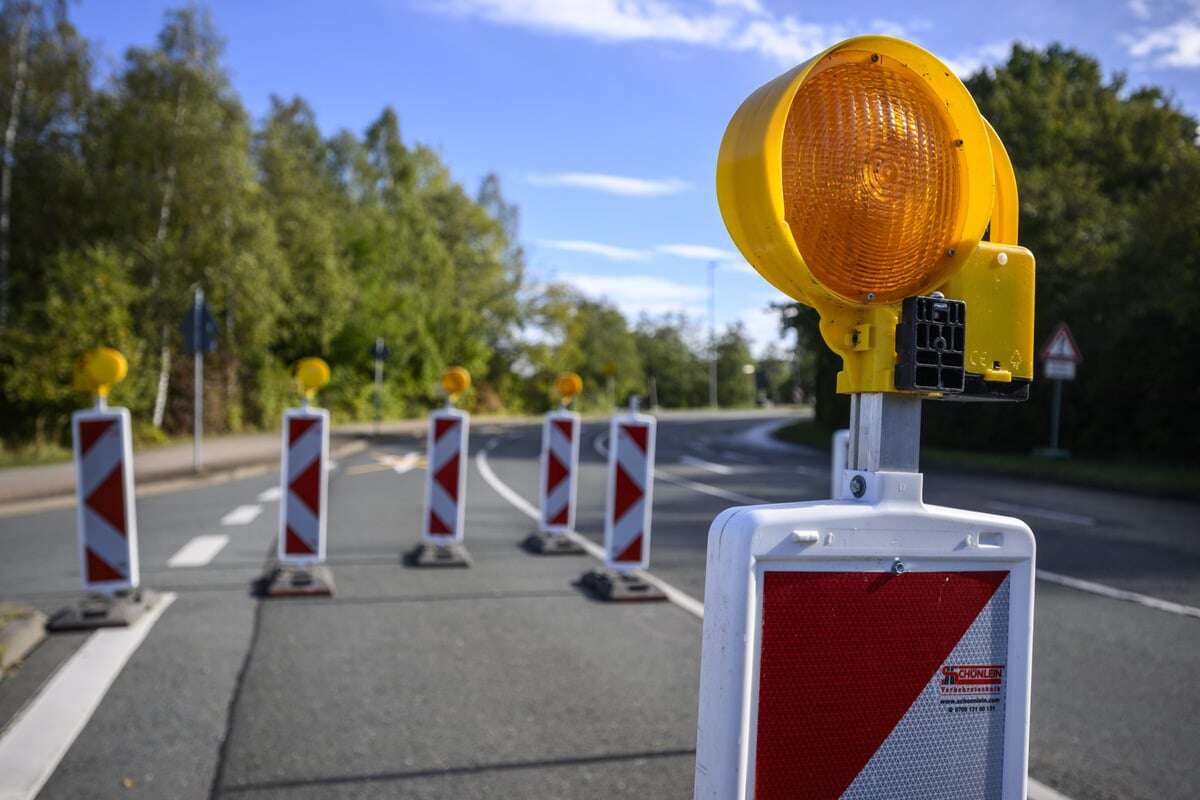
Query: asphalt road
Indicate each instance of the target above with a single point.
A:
(504, 681)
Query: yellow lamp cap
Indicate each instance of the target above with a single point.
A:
(568, 385)
(311, 374)
(456, 380)
(99, 370)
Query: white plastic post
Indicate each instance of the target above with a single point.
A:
(630, 491)
(304, 486)
(446, 476)
(560, 466)
(105, 510)
(839, 455)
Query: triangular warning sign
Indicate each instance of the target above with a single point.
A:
(1061, 346)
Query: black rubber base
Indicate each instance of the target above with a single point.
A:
(283, 580)
(438, 555)
(103, 611)
(619, 587)
(551, 544)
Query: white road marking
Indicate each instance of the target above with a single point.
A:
(1037, 791)
(44, 730)
(242, 515)
(404, 463)
(269, 495)
(1040, 791)
(199, 551)
(704, 488)
(1042, 513)
(719, 469)
(1118, 594)
(331, 466)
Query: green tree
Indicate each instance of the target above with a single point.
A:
(735, 386)
(671, 359)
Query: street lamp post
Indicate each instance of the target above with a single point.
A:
(712, 334)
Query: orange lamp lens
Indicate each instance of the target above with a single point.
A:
(872, 179)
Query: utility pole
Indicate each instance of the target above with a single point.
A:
(712, 334)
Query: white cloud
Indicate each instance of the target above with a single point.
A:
(739, 266)
(740, 25)
(640, 294)
(1139, 8)
(987, 55)
(612, 184)
(699, 252)
(1176, 44)
(609, 251)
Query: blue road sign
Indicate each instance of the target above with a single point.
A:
(199, 329)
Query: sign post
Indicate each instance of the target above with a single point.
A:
(627, 511)
(872, 646)
(105, 509)
(379, 352)
(199, 330)
(304, 492)
(443, 525)
(559, 475)
(1060, 356)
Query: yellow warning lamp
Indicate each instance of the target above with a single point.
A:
(311, 375)
(99, 370)
(568, 384)
(455, 381)
(863, 183)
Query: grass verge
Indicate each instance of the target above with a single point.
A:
(1125, 476)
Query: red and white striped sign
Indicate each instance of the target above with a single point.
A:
(446, 475)
(107, 519)
(865, 649)
(305, 485)
(630, 486)
(560, 465)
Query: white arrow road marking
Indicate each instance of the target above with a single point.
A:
(1037, 791)
(1042, 513)
(720, 469)
(269, 495)
(242, 515)
(404, 463)
(199, 551)
(41, 734)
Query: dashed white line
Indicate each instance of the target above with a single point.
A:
(704, 488)
(199, 551)
(242, 515)
(269, 495)
(719, 469)
(40, 736)
(1042, 513)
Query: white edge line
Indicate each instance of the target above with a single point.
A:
(1118, 594)
(1040, 791)
(36, 741)
(1037, 790)
(199, 551)
(676, 596)
(1044, 513)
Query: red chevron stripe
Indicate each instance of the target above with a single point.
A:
(565, 426)
(295, 546)
(436, 525)
(91, 430)
(626, 494)
(560, 518)
(632, 551)
(440, 426)
(108, 499)
(99, 570)
(555, 471)
(638, 434)
(298, 426)
(307, 486)
(447, 476)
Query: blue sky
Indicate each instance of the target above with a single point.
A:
(603, 117)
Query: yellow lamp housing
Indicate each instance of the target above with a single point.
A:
(866, 177)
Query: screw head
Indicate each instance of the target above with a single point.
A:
(858, 486)
(898, 567)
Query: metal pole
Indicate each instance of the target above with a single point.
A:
(378, 385)
(712, 334)
(1055, 412)
(885, 432)
(198, 378)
